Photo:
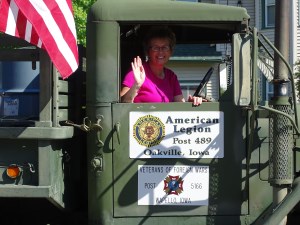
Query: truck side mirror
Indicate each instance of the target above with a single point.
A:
(241, 53)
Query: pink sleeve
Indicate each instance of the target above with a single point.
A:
(128, 79)
(176, 85)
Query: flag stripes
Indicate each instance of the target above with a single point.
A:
(45, 23)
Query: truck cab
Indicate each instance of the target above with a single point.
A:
(173, 163)
(232, 160)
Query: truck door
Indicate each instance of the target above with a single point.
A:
(178, 160)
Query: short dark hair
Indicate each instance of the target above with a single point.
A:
(159, 32)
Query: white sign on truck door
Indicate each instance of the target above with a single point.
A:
(175, 134)
(173, 185)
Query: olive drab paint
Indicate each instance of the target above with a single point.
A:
(87, 158)
(151, 150)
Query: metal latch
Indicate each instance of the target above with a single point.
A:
(87, 124)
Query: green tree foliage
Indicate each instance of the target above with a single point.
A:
(81, 8)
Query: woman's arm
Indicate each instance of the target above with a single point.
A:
(179, 98)
(128, 94)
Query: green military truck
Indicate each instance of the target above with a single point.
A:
(233, 160)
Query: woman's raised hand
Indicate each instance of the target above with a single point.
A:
(138, 70)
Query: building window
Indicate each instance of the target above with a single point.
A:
(188, 87)
(269, 13)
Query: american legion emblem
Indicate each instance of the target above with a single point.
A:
(149, 130)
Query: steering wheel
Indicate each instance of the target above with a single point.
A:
(202, 85)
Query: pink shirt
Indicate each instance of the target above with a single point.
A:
(155, 89)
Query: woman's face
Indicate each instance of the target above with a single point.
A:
(159, 51)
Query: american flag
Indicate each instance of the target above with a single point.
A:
(48, 24)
